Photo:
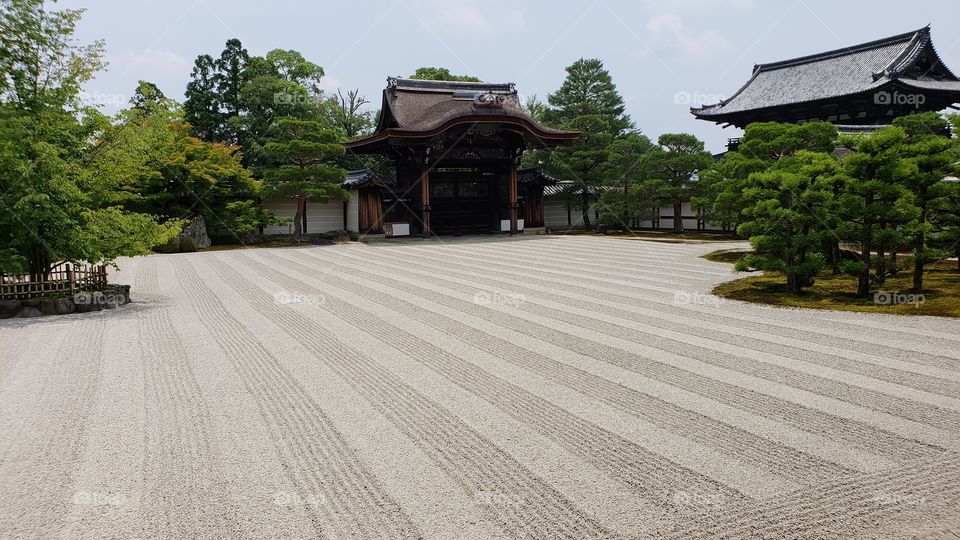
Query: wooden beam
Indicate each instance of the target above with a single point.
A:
(512, 193)
(425, 199)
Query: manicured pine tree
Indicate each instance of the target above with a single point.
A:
(929, 157)
(300, 153)
(787, 206)
(673, 165)
(872, 198)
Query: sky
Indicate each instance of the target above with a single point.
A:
(663, 55)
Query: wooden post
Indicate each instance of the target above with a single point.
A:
(71, 278)
(425, 199)
(512, 194)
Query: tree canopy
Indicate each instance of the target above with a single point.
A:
(440, 74)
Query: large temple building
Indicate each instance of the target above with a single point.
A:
(855, 87)
(456, 146)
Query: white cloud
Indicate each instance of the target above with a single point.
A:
(471, 17)
(669, 34)
(150, 61)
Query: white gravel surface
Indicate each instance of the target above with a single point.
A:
(551, 387)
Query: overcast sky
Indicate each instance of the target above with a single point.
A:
(662, 54)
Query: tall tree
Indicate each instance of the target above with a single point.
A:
(872, 198)
(588, 90)
(202, 105)
(280, 84)
(51, 207)
(301, 154)
(586, 163)
(622, 203)
(353, 120)
(171, 174)
(229, 77)
(440, 74)
(929, 157)
(674, 164)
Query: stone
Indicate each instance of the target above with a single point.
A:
(65, 306)
(29, 311)
(110, 302)
(48, 306)
(32, 302)
(88, 301)
(123, 294)
(197, 229)
(9, 308)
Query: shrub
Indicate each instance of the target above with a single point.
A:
(172, 246)
(187, 245)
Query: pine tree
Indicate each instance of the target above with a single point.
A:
(674, 164)
(588, 90)
(300, 152)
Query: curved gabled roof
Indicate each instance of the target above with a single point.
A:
(417, 109)
(842, 72)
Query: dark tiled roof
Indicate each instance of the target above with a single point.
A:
(413, 108)
(842, 72)
(535, 175)
(362, 178)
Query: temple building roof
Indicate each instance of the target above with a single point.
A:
(416, 111)
(535, 175)
(863, 84)
(362, 178)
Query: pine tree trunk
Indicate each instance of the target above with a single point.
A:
(298, 221)
(881, 264)
(863, 281)
(919, 245)
(585, 208)
(678, 217)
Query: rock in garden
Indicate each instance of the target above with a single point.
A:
(29, 311)
(48, 306)
(65, 306)
(9, 308)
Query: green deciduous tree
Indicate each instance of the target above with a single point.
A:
(51, 207)
(169, 173)
(440, 74)
(301, 154)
